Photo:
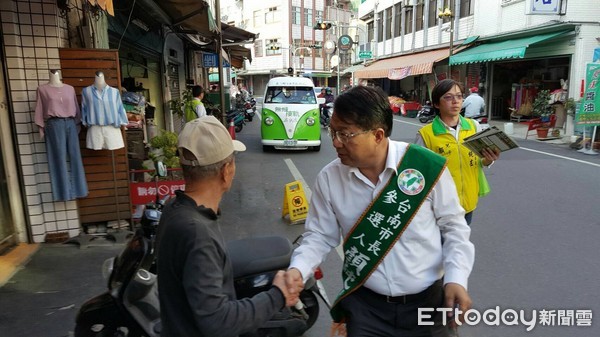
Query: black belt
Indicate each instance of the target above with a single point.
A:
(403, 299)
(54, 117)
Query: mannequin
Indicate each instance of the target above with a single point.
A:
(103, 113)
(58, 117)
(55, 78)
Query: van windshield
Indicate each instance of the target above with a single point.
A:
(290, 95)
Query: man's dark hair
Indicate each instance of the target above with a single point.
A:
(366, 107)
(197, 90)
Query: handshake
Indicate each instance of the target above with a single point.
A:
(290, 283)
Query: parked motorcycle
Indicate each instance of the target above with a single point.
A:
(250, 109)
(426, 113)
(326, 113)
(131, 307)
(238, 117)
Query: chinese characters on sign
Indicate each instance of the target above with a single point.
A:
(589, 110)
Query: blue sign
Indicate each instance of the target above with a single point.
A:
(551, 7)
(212, 61)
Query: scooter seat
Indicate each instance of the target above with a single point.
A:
(259, 254)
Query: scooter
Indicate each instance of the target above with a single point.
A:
(250, 109)
(238, 117)
(426, 113)
(326, 113)
(131, 306)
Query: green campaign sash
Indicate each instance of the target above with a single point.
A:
(386, 218)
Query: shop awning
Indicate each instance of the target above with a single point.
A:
(312, 73)
(353, 68)
(190, 15)
(399, 67)
(504, 50)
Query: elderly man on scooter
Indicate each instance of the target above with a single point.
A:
(195, 276)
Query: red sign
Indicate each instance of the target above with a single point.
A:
(145, 193)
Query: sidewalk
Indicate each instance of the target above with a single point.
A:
(519, 131)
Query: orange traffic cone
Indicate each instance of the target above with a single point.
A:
(232, 129)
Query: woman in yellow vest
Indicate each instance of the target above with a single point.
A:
(445, 136)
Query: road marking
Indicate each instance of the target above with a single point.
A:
(524, 148)
(298, 176)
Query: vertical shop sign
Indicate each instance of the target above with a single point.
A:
(589, 110)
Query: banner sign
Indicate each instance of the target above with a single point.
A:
(145, 192)
(589, 110)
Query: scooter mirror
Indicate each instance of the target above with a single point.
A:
(161, 169)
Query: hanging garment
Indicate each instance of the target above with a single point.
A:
(67, 176)
(102, 108)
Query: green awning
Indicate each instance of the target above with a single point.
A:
(509, 49)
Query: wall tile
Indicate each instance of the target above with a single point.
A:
(50, 20)
(23, 128)
(36, 8)
(27, 41)
(72, 215)
(33, 200)
(49, 216)
(23, 6)
(24, 19)
(48, 207)
(53, 53)
(28, 52)
(38, 230)
(61, 216)
(37, 19)
(46, 197)
(15, 62)
(41, 52)
(25, 149)
(59, 206)
(21, 107)
(12, 40)
(51, 226)
(27, 170)
(31, 74)
(8, 17)
(36, 210)
(13, 51)
(10, 28)
(26, 30)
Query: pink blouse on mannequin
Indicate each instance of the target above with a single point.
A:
(55, 101)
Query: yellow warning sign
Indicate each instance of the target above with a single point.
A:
(294, 202)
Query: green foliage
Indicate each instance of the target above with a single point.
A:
(570, 105)
(541, 105)
(165, 148)
(179, 105)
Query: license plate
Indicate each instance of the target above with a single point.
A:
(290, 142)
(249, 110)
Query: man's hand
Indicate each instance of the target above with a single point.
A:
(293, 281)
(456, 296)
(489, 156)
(280, 282)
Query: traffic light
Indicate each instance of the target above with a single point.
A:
(322, 26)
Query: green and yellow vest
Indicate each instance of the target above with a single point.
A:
(464, 165)
(190, 109)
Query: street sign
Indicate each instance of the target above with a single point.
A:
(345, 43)
(365, 54)
(210, 60)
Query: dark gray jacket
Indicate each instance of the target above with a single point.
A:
(195, 278)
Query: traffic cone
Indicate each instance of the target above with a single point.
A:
(232, 129)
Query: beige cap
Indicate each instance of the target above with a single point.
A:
(208, 140)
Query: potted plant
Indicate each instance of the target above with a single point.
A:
(542, 109)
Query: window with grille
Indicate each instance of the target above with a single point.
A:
(379, 26)
(296, 15)
(270, 43)
(258, 48)
(308, 17)
(433, 13)
(419, 17)
(408, 19)
(466, 8)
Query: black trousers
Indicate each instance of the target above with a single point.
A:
(371, 315)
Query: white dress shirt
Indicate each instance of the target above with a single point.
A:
(341, 194)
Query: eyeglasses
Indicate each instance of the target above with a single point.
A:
(343, 137)
(450, 97)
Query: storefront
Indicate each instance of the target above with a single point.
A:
(513, 69)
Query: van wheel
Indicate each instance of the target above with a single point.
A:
(316, 148)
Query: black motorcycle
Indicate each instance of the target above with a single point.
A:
(426, 114)
(131, 307)
(326, 113)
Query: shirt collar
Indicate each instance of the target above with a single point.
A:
(185, 200)
(440, 127)
(391, 162)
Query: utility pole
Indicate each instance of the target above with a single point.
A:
(220, 58)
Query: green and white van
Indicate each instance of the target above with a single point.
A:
(290, 115)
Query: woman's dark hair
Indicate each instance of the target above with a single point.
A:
(366, 107)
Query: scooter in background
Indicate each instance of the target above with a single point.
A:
(426, 113)
(238, 117)
(326, 113)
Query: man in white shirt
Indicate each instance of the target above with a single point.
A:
(428, 262)
(473, 104)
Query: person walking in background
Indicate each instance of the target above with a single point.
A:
(195, 275)
(406, 241)
(474, 104)
(195, 109)
(445, 135)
